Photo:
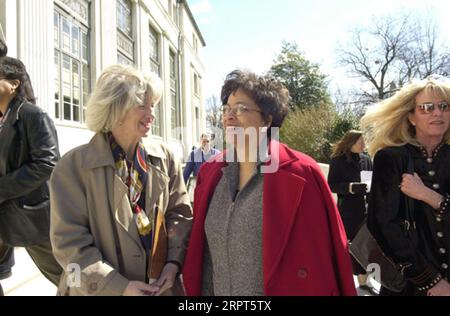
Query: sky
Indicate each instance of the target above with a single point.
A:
(248, 34)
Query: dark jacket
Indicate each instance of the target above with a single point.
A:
(424, 260)
(342, 172)
(28, 154)
(196, 159)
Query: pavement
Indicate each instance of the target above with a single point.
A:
(26, 279)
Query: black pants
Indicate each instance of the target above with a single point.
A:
(41, 255)
(6, 260)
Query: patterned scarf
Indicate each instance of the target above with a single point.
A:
(134, 175)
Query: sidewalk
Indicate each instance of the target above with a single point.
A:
(26, 279)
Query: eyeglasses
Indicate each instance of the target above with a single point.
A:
(428, 108)
(239, 109)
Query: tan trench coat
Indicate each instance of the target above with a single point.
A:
(92, 224)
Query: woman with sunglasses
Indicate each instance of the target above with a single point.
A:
(413, 125)
(265, 222)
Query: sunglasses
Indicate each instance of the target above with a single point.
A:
(428, 108)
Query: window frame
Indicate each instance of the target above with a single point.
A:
(80, 57)
(123, 56)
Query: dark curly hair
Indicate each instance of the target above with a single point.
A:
(14, 69)
(269, 94)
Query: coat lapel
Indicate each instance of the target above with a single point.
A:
(123, 213)
(157, 182)
(281, 199)
(99, 156)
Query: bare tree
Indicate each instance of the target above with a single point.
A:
(392, 51)
(372, 54)
(433, 56)
(214, 122)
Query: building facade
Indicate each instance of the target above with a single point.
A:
(65, 44)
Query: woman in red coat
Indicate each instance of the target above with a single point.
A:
(264, 219)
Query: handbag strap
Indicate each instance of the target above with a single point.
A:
(409, 202)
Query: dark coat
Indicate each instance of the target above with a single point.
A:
(424, 261)
(351, 206)
(305, 249)
(28, 154)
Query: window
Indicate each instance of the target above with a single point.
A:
(71, 60)
(155, 64)
(174, 108)
(195, 43)
(196, 85)
(125, 44)
(174, 13)
(197, 123)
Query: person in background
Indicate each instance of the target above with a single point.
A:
(28, 154)
(196, 158)
(6, 252)
(413, 125)
(344, 178)
(265, 222)
(120, 211)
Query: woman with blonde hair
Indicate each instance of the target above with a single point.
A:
(412, 128)
(121, 216)
(344, 179)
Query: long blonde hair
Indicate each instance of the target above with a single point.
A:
(387, 123)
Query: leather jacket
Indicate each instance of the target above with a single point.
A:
(28, 153)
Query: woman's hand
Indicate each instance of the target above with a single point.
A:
(167, 278)
(137, 288)
(413, 187)
(442, 288)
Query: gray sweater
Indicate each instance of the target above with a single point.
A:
(233, 255)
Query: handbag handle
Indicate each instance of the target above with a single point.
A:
(409, 202)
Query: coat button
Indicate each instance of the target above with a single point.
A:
(444, 266)
(302, 273)
(439, 219)
(440, 234)
(93, 287)
(431, 173)
(442, 250)
(429, 160)
(435, 186)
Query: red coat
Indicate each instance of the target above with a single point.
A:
(305, 250)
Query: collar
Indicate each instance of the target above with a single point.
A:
(99, 152)
(421, 151)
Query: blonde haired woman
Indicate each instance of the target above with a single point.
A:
(120, 213)
(413, 125)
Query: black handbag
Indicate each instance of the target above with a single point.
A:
(366, 251)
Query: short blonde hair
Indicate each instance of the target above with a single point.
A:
(387, 124)
(118, 89)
